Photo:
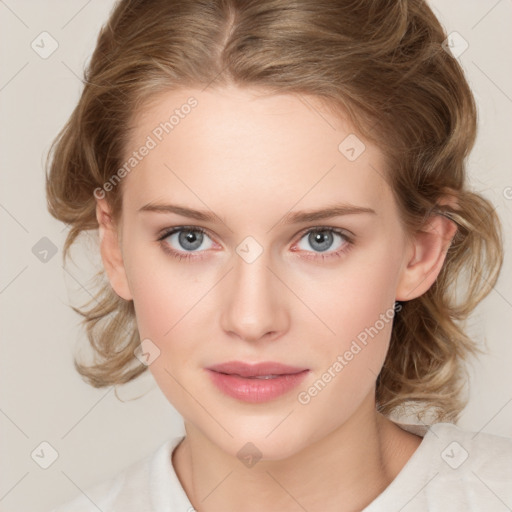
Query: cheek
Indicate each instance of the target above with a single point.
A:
(348, 364)
(173, 309)
(358, 306)
(167, 306)
(353, 299)
(162, 294)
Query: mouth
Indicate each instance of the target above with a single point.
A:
(265, 377)
(259, 370)
(255, 383)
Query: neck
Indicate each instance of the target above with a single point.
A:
(344, 471)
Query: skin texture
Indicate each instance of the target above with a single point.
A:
(251, 159)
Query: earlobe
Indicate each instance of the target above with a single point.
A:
(429, 248)
(110, 249)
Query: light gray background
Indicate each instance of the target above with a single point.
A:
(42, 397)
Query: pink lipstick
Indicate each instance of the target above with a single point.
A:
(255, 383)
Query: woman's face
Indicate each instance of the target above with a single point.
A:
(259, 285)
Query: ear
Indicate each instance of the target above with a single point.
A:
(111, 253)
(427, 253)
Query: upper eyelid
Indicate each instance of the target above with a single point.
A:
(341, 231)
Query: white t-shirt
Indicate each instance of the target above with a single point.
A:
(451, 470)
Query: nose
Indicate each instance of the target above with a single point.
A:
(254, 301)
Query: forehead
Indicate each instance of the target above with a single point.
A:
(246, 145)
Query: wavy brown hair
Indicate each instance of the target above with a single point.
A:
(382, 63)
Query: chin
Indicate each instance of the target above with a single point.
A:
(262, 440)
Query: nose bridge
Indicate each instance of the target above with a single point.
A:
(253, 306)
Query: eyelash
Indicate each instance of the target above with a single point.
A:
(190, 255)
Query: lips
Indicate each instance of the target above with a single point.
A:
(264, 370)
(255, 383)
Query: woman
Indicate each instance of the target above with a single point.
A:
(280, 194)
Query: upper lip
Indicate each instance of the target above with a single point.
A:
(255, 370)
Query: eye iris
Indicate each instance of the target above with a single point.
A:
(190, 237)
(324, 238)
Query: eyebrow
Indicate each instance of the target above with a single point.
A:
(290, 218)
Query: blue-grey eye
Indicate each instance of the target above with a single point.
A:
(321, 240)
(188, 239)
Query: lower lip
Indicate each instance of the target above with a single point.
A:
(256, 390)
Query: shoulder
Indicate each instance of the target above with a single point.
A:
(129, 490)
(452, 469)
(466, 468)
(484, 454)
